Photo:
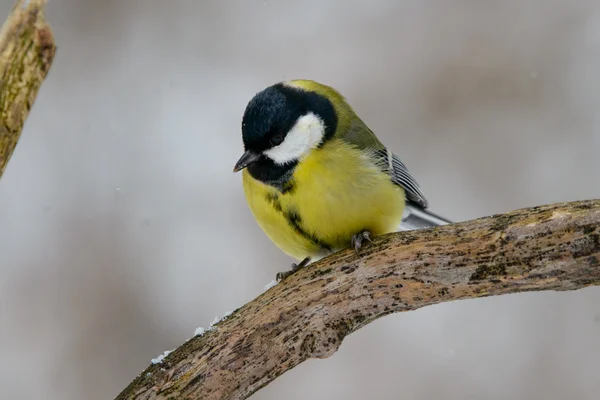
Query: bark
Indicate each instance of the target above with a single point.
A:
(554, 247)
(26, 52)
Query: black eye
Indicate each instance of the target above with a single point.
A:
(276, 140)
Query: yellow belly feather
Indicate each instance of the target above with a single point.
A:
(336, 193)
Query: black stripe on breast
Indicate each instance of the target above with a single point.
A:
(273, 199)
(295, 221)
(288, 187)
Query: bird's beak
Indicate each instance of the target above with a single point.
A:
(246, 159)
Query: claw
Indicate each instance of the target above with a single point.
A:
(357, 240)
(295, 267)
(302, 264)
(282, 275)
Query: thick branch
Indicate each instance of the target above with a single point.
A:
(26, 53)
(555, 247)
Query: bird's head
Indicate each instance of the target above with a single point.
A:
(282, 124)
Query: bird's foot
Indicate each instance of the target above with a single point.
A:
(295, 267)
(357, 240)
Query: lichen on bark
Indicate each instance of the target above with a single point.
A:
(26, 53)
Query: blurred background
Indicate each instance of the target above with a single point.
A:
(122, 227)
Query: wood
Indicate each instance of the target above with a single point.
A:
(26, 52)
(554, 247)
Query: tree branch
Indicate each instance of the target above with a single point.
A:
(26, 53)
(554, 247)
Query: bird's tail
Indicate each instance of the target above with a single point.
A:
(415, 217)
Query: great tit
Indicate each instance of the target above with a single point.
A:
(317, 179)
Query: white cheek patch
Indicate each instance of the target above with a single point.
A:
(306, 135)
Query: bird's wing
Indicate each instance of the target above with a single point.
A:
(362, 137)
(391, 164)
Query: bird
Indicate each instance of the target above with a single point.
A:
(317, 179)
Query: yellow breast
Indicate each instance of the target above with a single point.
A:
(334, 193)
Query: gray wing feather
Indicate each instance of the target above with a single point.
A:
(392, 165)
(362, 137)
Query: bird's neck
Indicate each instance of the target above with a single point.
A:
(278, 176)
